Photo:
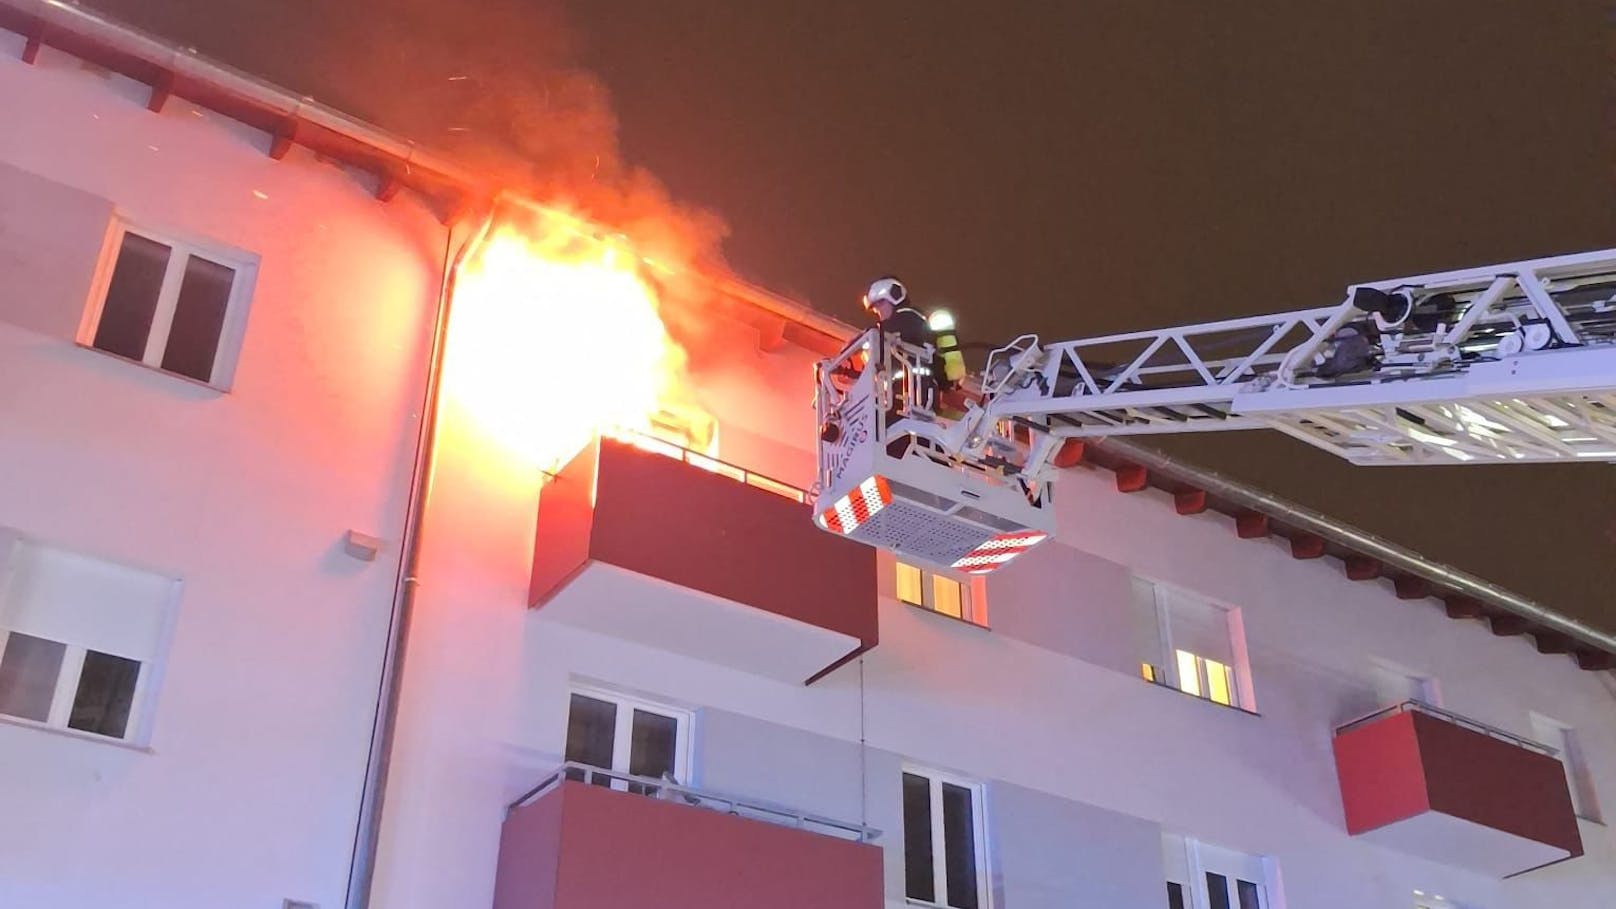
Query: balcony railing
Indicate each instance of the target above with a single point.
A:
(651, 787)
(1456, 719)
(739, 474)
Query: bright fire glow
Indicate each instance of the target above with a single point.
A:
(554, 338)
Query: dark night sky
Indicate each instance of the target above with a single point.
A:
(1080, 168)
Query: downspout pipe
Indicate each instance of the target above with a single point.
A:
(367, 829)
(1310, 521)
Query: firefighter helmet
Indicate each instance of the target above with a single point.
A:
(885, 296)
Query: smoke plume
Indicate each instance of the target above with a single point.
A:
(496, 85)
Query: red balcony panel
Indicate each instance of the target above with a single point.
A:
(1438, 786)
(590, 847)
(637, 544)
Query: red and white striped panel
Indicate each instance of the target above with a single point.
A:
(999, 550)
(858, 506)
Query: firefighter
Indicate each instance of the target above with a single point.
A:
(888, 302)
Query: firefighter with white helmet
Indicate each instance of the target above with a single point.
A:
(887, 301)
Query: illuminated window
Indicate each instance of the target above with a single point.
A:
(1218, 681)
(172, 304)
(80, 640)
(939, 593)
(946, 596)
(1205, 678)
(1189, 643)
(911, 585)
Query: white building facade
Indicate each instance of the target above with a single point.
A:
(215, 347)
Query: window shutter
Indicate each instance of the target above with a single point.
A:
(1199, 626)
(1147, 630)
(76, 599)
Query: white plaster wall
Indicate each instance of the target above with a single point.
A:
(249, 789)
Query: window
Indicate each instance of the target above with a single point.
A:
(687, 428)
(1564, 740)
(943, 842)
(173, 305)
(941, 593)
(627, 735)
(1395, 685)
(1189, 643)
(1203, 875)
(79, 640)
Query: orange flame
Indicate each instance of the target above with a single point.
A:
(555, 336)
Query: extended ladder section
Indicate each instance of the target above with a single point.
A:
(1512, 363)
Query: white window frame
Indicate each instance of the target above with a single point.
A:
(1430, 690)
(1567, 745)
(181, 247)
(939, 843)
(1198, 858)
(142, 707)
(1165, 670)
(623, 731)
(67, 687)
(972, 592)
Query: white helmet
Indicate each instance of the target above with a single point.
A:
(888, 293)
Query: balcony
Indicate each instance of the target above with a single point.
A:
(652, 543)
(1447, 788)
(589, 838)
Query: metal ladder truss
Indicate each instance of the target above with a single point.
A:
(1508, 363)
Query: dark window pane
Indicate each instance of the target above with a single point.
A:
(591, 727)
(106, 691)
(137, 279)
(28, 671)
(1217, 891)
(1250, 895)
(919, 883)
(959, 846)
(652, 741)
(651, 747)
(1175, 895)
(193, 340)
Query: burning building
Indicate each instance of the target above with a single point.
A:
(359, 548)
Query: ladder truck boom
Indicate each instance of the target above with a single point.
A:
(1511, 363)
